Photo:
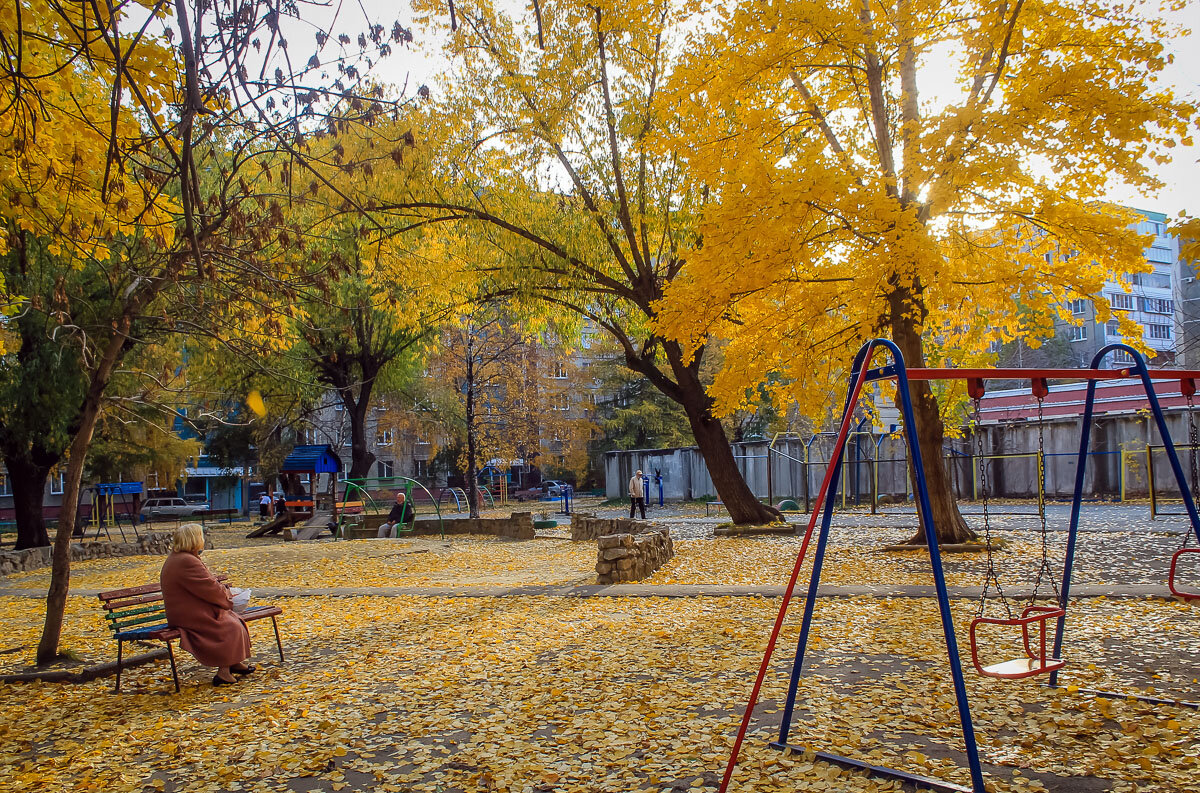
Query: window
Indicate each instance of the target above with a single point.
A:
(1077, 306)
(1112, 330)
(420, 468)
(1155, 331)
(1160, 255)
(1158, 305)
(562, 402)
(5, 485)
(386, 469)
(1122, 356)
(1121, 302)
(58, 483)
(1048, 258)
(339, 406)
(1152, 280)
(1078, 333)
(384, 438)
(560, 371)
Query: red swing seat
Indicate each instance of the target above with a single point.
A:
(1175, 590)
(1036, 661)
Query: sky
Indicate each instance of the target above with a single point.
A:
(1181, 178)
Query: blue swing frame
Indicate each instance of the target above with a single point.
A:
(898, 371)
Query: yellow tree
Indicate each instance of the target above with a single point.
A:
(551, 144)
(926, 171)
(153, 163)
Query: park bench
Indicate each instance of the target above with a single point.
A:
(138, 614)
(709, 506)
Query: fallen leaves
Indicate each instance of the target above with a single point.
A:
(605, 694)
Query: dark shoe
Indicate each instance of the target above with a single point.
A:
(244, 670)
(217, 681)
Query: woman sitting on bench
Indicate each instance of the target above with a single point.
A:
(201, 608)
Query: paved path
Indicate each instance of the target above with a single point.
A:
(1126, 591)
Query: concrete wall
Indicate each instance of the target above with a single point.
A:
(1114, 439)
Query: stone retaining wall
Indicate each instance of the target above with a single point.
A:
(518, 526)
(631, 557)
(585, 526)
(157, 544)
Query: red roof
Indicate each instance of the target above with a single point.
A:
(1066, 399)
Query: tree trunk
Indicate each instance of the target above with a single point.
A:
(28, 482)
(361, 456)
(735, 494)
(930, 431)
(60, 567)
(472, 441)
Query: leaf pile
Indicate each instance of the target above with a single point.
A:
(607, 694)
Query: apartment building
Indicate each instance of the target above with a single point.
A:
(1152, 300)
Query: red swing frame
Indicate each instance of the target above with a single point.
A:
(1176, 591)
(1036, 661)
(1188, 388)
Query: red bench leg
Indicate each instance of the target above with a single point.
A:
(120, 647)
(278, 642)
(174, 671)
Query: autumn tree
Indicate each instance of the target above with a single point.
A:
(41, 382)
(165, 166)
(934, 174)
(502, 388)
(552, 141)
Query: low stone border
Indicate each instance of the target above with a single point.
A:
(156, 544)
(586, 526)
(950, 547)
(517, 526)
(627, 557)
(87, 673)
(770, 529)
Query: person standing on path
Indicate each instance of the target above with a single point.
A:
(637, 495)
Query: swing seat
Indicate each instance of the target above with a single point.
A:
(1175, 590)
(1035, 661)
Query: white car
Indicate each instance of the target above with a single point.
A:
(553, 487)
(170, 508)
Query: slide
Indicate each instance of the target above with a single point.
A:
(273, 526)
(315, 526)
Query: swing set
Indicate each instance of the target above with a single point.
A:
(1041, 656)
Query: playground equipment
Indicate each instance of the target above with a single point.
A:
(104, 507)
(862, 374)
(1193, 447)
(312, 460)
(461, 500)
(1035, 662)
(365, 489)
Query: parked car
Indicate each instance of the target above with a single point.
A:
(170, 508)
(549, 488)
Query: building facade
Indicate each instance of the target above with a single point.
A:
(1152, 300)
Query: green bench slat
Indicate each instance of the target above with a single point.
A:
(120, 626)
(123, 614)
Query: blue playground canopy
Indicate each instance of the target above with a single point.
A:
(118, 488)
(318, 459)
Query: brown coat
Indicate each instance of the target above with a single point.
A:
(199, 606)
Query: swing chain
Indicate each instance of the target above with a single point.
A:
(1045, 571)
(1193, 442)
(992, 576)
